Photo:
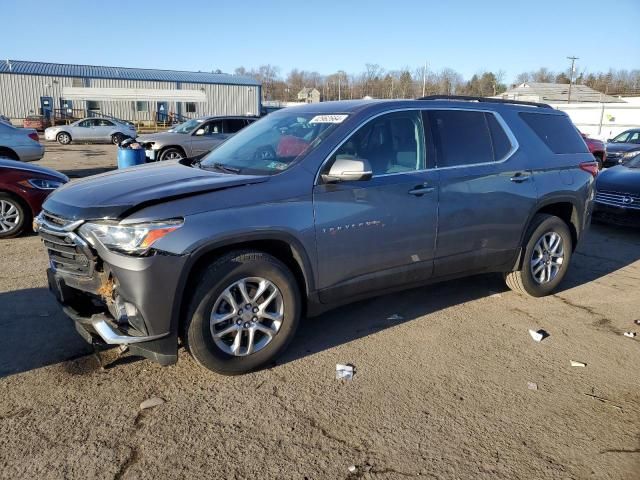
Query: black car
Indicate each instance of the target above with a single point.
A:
(622, 147)
(618, 194)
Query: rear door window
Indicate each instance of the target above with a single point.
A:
(461, 137)
(501, 143)
(234, 125)
(556, 131)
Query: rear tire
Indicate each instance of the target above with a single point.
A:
(258, 329)
(546, 257)
(63, 138)
(14, 217)
(117, 138)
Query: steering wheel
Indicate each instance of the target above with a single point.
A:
(265, 152)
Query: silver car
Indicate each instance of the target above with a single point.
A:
(193, 138)
(90, 130)
(20, 143)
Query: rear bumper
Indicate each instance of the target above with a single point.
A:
(30, 153)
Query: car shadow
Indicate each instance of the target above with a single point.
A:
(36, 333)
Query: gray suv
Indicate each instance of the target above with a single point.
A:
(311, 207)
(193, 138)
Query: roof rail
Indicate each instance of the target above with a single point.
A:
(469, 98)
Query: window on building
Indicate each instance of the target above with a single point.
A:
(93, 105)
(461, 137)
(556, 131)
(190, 107)
(391, 143)
(142, 106)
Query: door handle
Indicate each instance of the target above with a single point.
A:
(420, 190)
(520, 177)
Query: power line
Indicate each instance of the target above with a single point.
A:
(573, 60)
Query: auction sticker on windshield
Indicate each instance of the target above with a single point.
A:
(328, 119)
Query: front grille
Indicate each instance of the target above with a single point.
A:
(618, 199)
(68, 253)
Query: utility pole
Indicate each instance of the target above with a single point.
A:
(573, 60)
(339, 93)
(424, 79)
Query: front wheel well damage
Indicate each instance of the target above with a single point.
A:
(279, 249)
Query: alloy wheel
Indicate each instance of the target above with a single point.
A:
(547, 257)
(9, 216)
(247, 316)
(172, 155)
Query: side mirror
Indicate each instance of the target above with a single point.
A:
(348, 170)
(200, 131)
(609, 140)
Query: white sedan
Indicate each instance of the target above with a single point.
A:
(91, 130)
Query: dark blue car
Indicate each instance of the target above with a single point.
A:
(311, 207)
(622, 147)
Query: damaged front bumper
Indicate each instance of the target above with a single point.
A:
(113, 299)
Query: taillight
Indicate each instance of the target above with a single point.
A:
(591, 167)
(34, 136)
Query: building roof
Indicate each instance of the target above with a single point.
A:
(557, 93)
(308, 91)
(22, 67)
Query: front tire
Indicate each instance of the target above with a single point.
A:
(546, 257)
(63, 138)
(243, 314)
(13, 216)
(172, 154)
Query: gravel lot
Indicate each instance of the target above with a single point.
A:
(440, 393)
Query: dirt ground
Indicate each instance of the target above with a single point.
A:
(440, 393)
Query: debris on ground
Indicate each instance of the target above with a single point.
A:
(151, 402)
(604, 400)
(538, 335)
(630, 334)
(577, 364)
(123, 349)
(532, 385)
(353, 469)
(395, 316)
(344, 371)
(637, 322)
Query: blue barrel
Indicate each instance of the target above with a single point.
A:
(128, 157)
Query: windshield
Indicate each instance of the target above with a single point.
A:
(188, 126)
(273, 144)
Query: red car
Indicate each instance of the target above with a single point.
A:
(23, 189)
(597, 149)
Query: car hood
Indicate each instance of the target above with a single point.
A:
(118, 193)
(30, 167)
(622, 147)
(619, 179)
(163, 137)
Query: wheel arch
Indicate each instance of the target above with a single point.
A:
(25, 205)
(9, 152)
(64, 131)
(281, 245)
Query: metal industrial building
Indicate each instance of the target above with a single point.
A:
(134, 94)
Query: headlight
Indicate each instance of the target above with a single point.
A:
(627, 155)
(43, 184)
(134, 239)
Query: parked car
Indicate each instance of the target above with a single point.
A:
(311, 207)
(193, 138)
(618, 193)
(20, 143)
(23, 188)
(622, 147)
(37, 122)
(597, 149)
(6, 120)
(91, 130)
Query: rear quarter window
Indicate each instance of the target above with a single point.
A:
(556, 131)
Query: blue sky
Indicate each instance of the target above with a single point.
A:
(325, 36)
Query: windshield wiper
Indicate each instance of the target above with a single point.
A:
(225, 168)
